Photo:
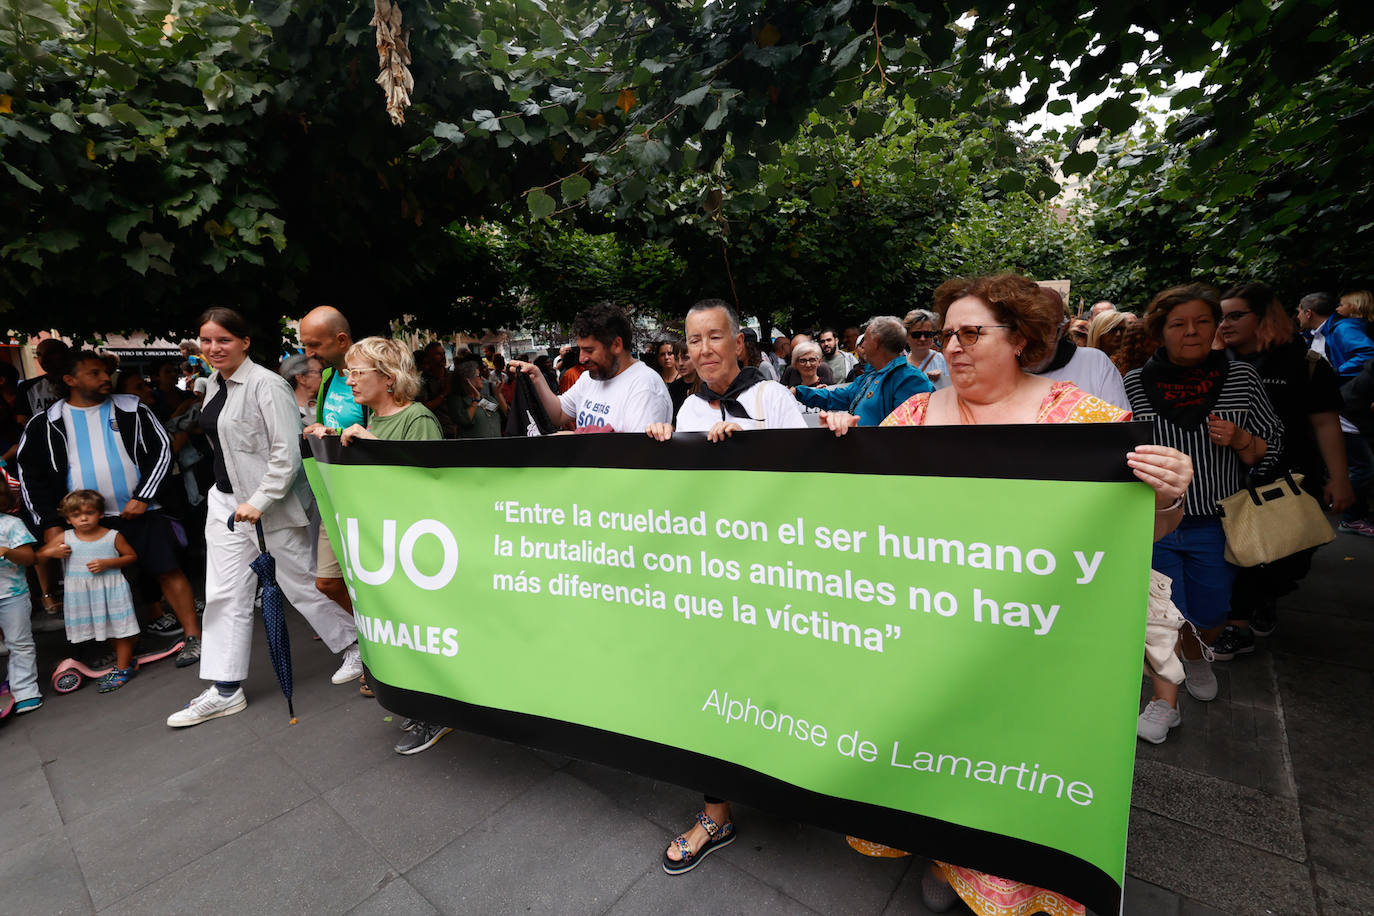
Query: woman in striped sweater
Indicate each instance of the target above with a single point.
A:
(1216, 412)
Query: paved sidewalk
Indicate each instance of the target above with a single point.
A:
(1260, 803)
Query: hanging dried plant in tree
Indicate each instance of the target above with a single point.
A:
(394, 58)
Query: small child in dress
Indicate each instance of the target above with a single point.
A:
(99, 604)
(16, 552)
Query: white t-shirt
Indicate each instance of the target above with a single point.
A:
(934, 361)
(1094, 372)
(627, 403)
(769, 404)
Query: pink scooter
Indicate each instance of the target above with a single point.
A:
(6, 701)
(71, 674)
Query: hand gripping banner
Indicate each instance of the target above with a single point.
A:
(926, 637)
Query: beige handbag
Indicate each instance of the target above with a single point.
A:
(1272, 521)
(1162, 622)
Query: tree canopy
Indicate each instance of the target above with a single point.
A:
(164, 157)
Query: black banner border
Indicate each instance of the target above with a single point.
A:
(999, 854)
(1063, 451)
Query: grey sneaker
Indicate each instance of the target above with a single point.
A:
(209, 705)
(421, 737)
(190, 653)
(1154, 723)
(166, 625)
(1201, 680)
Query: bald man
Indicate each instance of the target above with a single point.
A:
(1100, 307)
(326, 336)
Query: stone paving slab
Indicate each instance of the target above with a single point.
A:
(1233, 877)
(1216, 805)
(126, 844)
(410, 807)
(42, 876)
(559, 848)
(307, 860)
(397, 898)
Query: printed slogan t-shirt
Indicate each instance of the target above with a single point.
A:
(627, 403)
(340, 410)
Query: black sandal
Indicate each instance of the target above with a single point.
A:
(718, 836)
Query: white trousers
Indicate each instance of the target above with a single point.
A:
(227, 631)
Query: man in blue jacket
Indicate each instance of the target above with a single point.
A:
(1346, 344)
(876, 393)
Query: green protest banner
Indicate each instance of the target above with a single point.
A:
(926, 637)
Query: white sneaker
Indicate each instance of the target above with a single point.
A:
(1201, 679)
(1154, 723)
(209, 705)
(352, 667)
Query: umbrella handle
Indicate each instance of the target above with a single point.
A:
(262, 541)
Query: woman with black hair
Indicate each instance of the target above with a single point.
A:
(1306, 395)
(254, 427)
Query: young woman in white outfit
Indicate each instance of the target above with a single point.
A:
(253, 423)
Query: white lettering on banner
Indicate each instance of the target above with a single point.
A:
(429, 640)
(382, 574)
(445, 574)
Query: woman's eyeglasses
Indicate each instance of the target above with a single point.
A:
(968, 335)
(350, 373)
(1237, 315)
(808, 360)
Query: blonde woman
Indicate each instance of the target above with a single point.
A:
(1105, 330)
(382, 376)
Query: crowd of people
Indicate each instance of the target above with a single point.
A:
(117, 474)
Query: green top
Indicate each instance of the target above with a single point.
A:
(411, 423)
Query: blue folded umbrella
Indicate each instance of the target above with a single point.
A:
(273, 617)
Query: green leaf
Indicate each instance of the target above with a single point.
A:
(65, 122)
(866, 124)
(647, 153)
(119, 226)
(823, 195)
(690, 99)
(846, 54)
(1080, 163)
(1117, 114)
(541, 205)
(1011, 182)
(126, 114)
(555, 115)
(716, 116)
(446, 131)
(24, 180)
(487, 119)
(574, 187)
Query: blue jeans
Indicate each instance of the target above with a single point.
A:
(14, 620)
(1361, 461)
(1194, 556)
